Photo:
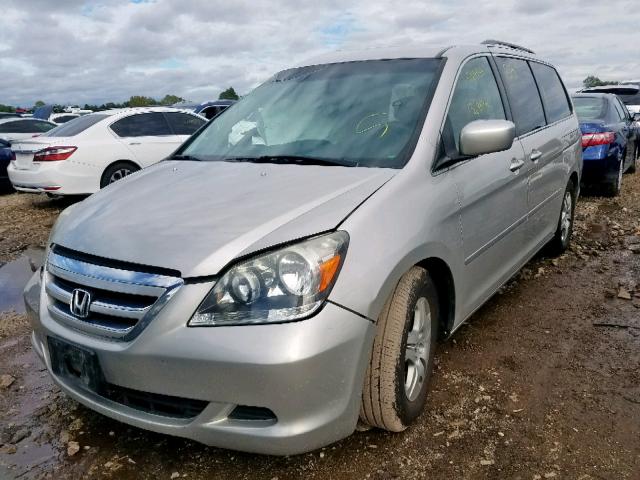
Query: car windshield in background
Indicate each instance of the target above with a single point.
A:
(75, 126)
(356, 113)
(590, 108)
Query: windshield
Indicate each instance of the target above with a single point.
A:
(75, 126)
(357, 113)
(590, 108)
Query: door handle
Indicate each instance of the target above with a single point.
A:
(535, 155)
(516, 164)
(134, 143)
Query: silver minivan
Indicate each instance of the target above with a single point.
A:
(289, 269)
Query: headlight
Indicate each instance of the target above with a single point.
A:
(281, 286)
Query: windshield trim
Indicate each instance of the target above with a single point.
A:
(407, 152)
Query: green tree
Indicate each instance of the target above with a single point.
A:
(593, 81)
(39, 103)
(229, 94)
(7, 108)
(141, 101)
(171, 99)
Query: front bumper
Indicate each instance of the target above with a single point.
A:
(308, 373)
(59, 178)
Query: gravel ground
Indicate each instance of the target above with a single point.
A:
(543, 382)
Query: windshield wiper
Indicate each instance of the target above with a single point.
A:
(295, 160)
(184, 157)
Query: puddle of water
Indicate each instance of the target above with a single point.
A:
(15, 275)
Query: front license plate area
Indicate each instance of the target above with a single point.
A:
(75, 364)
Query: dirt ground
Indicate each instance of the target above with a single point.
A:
(543, 382)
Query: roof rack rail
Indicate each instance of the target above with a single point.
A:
(508, 45)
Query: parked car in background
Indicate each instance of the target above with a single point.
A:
(94, 150)
(9, 115)
(264, 287)
(6, 155)
(629, 94)
(609, 139)
(208, 110)
(60, 118)
(12, 129)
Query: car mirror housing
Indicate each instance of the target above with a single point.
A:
(486, 136)
(635, 117)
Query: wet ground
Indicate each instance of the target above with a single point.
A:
(543, 382)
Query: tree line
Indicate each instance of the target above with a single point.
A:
(134, 101)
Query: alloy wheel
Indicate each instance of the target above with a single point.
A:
(417, 351)
(119, 174)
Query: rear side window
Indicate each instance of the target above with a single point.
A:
(183, 123)
(524, 99)
(554, 96)
(151, 124)
(475, 97)
(64, 118)
(623, 113)
(76, 126)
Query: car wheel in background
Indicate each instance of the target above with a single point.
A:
(117, 171)
(561, 239)
(634, 162)
(398, 374)
(613, 188)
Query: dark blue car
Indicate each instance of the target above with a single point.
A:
(6, 155)
(609, 140)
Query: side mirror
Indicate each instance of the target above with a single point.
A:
(635, 117)
(486, 136)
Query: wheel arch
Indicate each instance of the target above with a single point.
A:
(442, 277)
(120, 160)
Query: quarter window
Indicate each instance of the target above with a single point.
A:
(151, 124)
(184, 124)
(524, 99)
(476, 97)
(621, 111)
(554, 96)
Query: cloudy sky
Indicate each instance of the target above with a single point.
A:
(75, 51)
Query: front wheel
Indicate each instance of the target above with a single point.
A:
(561, 239)
(401, 363)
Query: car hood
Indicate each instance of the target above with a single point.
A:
(196, 217)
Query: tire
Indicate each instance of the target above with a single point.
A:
(397, 377)
(561, 239)
(613, 188)
(116, 171)
(632, 167)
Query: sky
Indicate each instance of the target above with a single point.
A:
(77, 52)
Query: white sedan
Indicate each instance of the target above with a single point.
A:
(17, 128)
(90, 152)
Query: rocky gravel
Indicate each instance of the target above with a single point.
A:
(542, 383)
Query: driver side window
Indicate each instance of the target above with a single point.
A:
(475, 97)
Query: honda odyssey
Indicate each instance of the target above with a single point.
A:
(288, 270)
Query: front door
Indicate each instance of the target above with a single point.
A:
(492, 188)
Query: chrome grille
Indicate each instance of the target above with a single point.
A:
(123, 301)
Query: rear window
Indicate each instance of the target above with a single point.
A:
(75, 126)
(151, 124)
(630, 99)
(590, 108)
(525, 102)
(554, 96)
(183, 123)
